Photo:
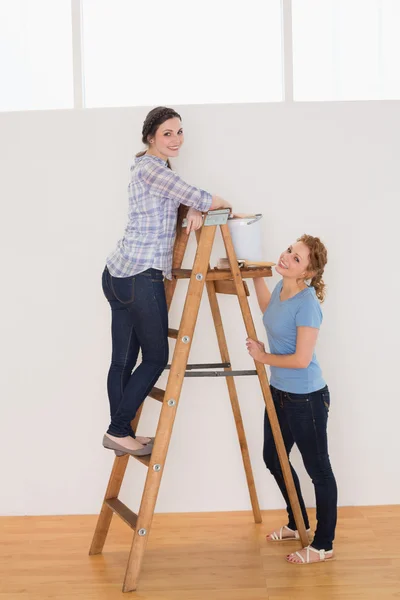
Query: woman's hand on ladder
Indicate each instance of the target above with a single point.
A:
(194, 220)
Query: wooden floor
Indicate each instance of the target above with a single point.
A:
(202, 556)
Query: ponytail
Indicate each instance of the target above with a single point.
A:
(318, 260)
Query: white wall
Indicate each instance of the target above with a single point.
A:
(326, 169)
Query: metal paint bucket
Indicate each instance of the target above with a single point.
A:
(246, 236)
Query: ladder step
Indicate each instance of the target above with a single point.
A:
(145, 460)
(221, 274)
(189, 367)
(120, 509)
(157, 394)
(219, 373)
(173, 333)
(228, 287)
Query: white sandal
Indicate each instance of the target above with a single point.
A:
(323, 556)
(277, 536)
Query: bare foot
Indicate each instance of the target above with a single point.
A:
(127, 442)
(310, 555)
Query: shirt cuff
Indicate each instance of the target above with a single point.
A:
(205, 202)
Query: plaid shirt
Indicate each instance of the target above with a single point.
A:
(155, 193)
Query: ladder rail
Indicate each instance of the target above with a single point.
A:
(180, 244)
(120, 463)
(211, 287)
(106, 513)
(168, 411)
(233, 396)
(262, 376)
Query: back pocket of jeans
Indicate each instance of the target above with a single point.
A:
(123, 288)
(326, 398)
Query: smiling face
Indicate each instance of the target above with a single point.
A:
(294, 262)
(168, 139)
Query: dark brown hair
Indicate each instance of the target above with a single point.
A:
(155, 118)
(318, 260)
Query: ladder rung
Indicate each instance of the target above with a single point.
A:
(220, 274)
(145, 460)
(205, 366)
(120, 509)
(219, 373)
(157, 394)
(173, 333)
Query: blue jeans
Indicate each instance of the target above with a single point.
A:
(303, 421)
(139, 321)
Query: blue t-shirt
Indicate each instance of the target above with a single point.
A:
(281, 320)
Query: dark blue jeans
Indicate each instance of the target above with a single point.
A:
(303, 421)
(139, 321)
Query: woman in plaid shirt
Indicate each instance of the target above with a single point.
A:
(133, 276)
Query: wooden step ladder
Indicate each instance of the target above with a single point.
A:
(225, 281)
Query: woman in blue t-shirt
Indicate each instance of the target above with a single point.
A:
(292, 317)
